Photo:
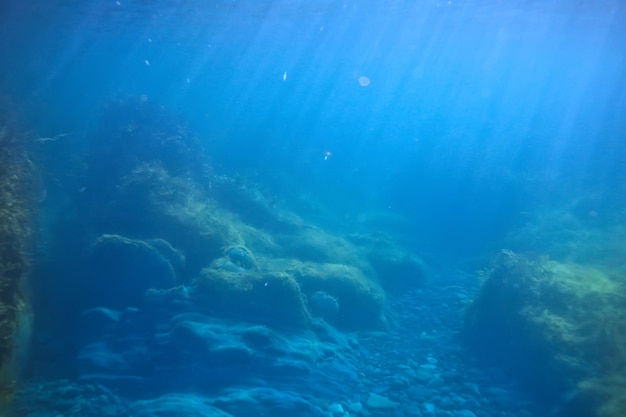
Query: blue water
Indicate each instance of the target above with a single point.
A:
(469, 102)
(444, 124)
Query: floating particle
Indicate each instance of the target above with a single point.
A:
(285, 76)
(364, 81)
(147, 63)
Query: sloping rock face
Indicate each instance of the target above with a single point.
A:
(153, 215)
(559, 327)
(170, 290)
(270, 298)
(151, 226)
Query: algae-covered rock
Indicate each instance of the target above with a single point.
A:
(254, 296)
(144, 175)
(556, 326)
(310, 243)
(241, 257)
(135, 130)
(340, 294)
(589, 229)
(323, 305)
(151, 202)
(606, 394)
(397, 269)
(252, 205)
(359, 300)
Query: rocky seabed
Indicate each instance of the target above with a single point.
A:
(167, 361)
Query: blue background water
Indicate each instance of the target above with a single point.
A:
(473, 107)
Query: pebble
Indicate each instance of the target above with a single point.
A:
(355, 407)
(423, 376)
(421, 392)
(379, 402)
(429, 409)
(436, 382)
(464, 413)
(399, 373)
(441, 385)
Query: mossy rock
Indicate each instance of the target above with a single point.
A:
(151, 202)
(313, 244)
(253, 206)
(589, 229)
(360, 300)
(604, 395)
(397, 269)
(553, 325)
(257, 297)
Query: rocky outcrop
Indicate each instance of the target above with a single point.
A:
(559, 327)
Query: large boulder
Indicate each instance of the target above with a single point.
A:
(561, 328)
(272, 298)
(149, 201)
(338, 293)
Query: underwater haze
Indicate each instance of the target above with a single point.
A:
(320, 208)
(468, 102)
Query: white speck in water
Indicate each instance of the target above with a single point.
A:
(147, 62)
(285, 76)
(364, 81)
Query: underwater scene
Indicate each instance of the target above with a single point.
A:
(313, 208)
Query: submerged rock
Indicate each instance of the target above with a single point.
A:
(257, 297)
(557, 327)
(266, 402)
(241, 256)
(358, 300)
(324, 306)
(379, 402)
(187, 405)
